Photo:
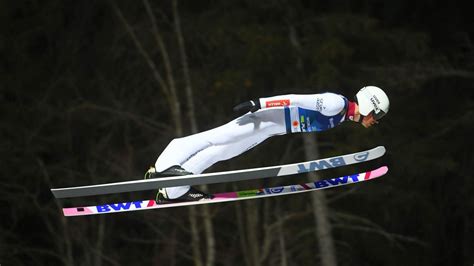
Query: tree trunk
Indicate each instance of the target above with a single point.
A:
(99, 246)
(252, 221)
(207, 218)
(318, 199)
(239, 214)
(320, 209)
(281, 237)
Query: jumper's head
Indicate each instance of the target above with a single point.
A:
(373, 104)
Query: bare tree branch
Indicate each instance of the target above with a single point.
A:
(143, 52)
(185, 67)
(369, 226)
(164, 53)
(142, 121)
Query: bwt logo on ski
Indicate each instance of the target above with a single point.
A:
(321, 164)
(274, 190)
(119, 206)
(361, 156)
(336, 181)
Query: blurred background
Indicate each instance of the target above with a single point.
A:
(93, 91)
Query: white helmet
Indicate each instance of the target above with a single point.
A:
(372, 99)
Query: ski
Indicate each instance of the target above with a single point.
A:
(142, 205)
(220, 177)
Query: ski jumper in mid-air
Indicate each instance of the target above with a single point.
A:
(264, 118)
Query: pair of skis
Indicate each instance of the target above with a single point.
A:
(220, 177)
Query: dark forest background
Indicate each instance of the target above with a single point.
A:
(92, 92)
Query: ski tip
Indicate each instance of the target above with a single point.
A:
(380, 171)
(382, 149)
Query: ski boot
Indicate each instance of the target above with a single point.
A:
(192, 195)
(175, 170)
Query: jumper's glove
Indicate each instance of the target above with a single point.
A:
(248, 106)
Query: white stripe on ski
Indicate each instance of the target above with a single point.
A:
(142, 205)
(220, 177)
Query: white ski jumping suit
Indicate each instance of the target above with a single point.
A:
(278, 115)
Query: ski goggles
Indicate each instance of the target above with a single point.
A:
(378, 115)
